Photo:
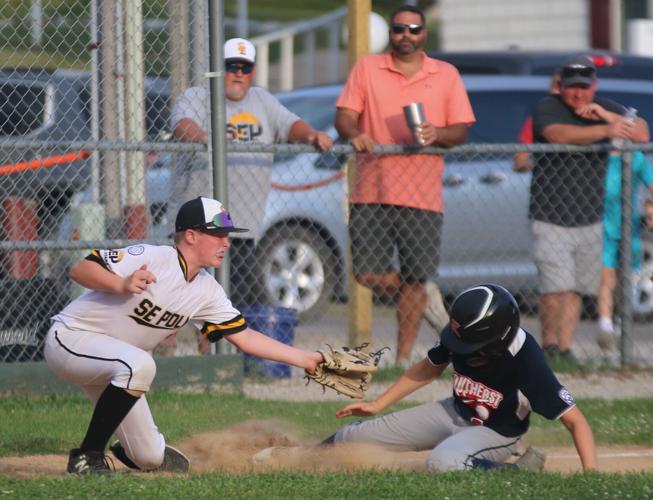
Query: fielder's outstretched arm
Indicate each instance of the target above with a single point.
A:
(258, 344)
(581, 432)
(418, 375)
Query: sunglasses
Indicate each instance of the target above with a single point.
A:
(399, 28)
(234, 67)
(572, 71)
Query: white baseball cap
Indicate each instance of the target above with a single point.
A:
(239, 49)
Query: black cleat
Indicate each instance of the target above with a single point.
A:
(89, 462)
(119, 452)
(173, 459)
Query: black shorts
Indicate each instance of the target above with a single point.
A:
(376, 231)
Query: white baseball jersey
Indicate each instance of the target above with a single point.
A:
(145, 319)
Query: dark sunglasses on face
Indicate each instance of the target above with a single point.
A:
(234, 67)
(584, 71)
(399, 28)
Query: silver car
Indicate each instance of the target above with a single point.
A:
(301, 255)
(486, 235)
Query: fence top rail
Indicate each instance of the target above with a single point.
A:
(76, 244)
(300, 27)
(28, 144)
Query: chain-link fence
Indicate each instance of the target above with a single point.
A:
(87, 163)
(299, 255)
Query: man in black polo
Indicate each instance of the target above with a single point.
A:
(567, 197)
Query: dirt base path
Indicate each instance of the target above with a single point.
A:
(231, 450)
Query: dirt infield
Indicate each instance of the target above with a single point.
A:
(231, 450)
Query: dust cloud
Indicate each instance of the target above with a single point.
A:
(232, 450)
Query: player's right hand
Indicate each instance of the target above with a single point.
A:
(362, 409)
(138, 281)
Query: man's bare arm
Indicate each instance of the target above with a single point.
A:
(346, 124)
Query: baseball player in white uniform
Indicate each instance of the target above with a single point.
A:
(137, 297)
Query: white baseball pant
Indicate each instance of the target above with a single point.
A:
(92, 361)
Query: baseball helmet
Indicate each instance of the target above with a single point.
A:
(486, 315)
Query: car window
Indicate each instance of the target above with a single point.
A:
(156, 111)
(319, 110)
(500, 114)
(22, 108)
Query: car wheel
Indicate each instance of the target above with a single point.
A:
(643, 285)
(295, 269)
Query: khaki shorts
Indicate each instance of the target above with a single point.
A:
(568, 258)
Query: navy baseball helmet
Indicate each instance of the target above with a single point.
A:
(482, 316)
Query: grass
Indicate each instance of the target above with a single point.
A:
(49, 424)
(362, 485)
(52, 424)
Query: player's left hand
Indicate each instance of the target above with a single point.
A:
(363, 409)
(314, 359)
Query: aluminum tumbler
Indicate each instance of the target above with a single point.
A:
(414, 113)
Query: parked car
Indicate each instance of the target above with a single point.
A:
(486, 234)
(45, 106)
(301, 256)
(56, 106)
(521, 62)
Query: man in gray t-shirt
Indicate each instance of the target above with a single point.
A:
(253, 115)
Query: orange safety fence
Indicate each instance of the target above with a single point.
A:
(48, 162)
(309, 186)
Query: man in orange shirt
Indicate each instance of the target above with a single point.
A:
(396, 201)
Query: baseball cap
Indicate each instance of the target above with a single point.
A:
(206, 215)
(577, 70)
(239, 49)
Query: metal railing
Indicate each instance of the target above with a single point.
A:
(331, 23)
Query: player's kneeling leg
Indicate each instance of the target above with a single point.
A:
(171, 460)
(443, 461)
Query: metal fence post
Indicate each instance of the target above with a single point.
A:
(626, 261)
(178, 42)
(360, 298)
(135, 212)
(110, 115)
(217, 143)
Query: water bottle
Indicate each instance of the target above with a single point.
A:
(630, 115)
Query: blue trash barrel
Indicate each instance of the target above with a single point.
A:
(276, 322)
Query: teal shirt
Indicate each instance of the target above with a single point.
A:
(642, 173)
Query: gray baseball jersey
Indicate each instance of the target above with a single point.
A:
(258, 117)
